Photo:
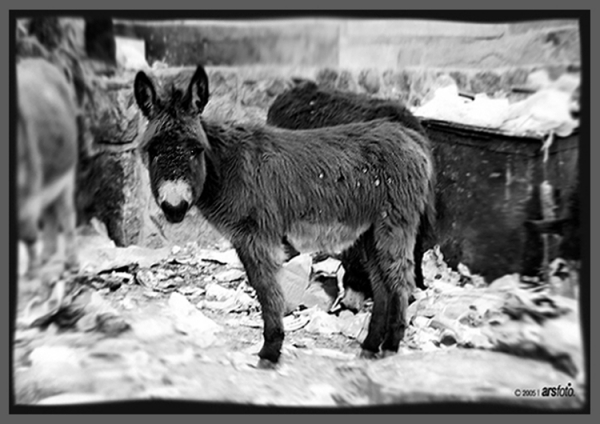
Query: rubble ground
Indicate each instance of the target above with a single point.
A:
(182, 323)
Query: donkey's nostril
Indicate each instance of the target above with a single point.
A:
(175, 213)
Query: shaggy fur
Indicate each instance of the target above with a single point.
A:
(47, 157)
(308, 106)
(364, 184)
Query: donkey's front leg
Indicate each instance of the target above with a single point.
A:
(262, 260)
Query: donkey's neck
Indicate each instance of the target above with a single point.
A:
(224, 155)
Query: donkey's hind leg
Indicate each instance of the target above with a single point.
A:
(396, 266)
(66, 215)
(390, 264)
(50, 232)
(379, 322)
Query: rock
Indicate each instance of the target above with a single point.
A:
(464, 375)
(346, 82)
(397, 85)
(485, 82)
(189, 320)
(111, 324)
(114, 194)
(369, 80)
(327, 78)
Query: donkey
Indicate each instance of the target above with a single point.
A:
(308, 106)
(364, 184)
(47, 146)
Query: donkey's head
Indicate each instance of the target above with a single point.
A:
(174, 144)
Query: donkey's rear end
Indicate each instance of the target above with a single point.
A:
(47, 137)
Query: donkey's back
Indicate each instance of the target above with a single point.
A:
(337, 177)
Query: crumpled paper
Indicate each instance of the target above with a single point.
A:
(548, 110)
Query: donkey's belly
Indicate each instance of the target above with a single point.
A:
(308, 237)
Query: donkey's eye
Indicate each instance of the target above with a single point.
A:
(195, 152)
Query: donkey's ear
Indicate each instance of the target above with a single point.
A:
(144, 93)
(197, 93)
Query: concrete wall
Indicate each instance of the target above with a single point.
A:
(382, 44)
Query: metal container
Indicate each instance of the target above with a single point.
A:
(488, 186)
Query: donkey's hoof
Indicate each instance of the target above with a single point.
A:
(367, 354)
(265, 364)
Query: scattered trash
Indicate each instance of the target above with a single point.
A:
(113, 280)
(227, 300)
(507, 282)
(230, 275)
(294, 278)
(294, 323)
(130, 53)
(548, 110)
(323, 323)
(316, 295)
(159, 280)
(228, 257)
(354, 326)
(327, 268)
(191, 290)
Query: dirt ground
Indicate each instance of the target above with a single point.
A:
(183, 324)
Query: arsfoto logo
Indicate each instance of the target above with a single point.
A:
(558, 391)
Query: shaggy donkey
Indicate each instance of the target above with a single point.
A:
(47, 136)
(363, 184)
(308, 106)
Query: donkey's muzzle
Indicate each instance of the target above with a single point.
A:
(175, 213)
